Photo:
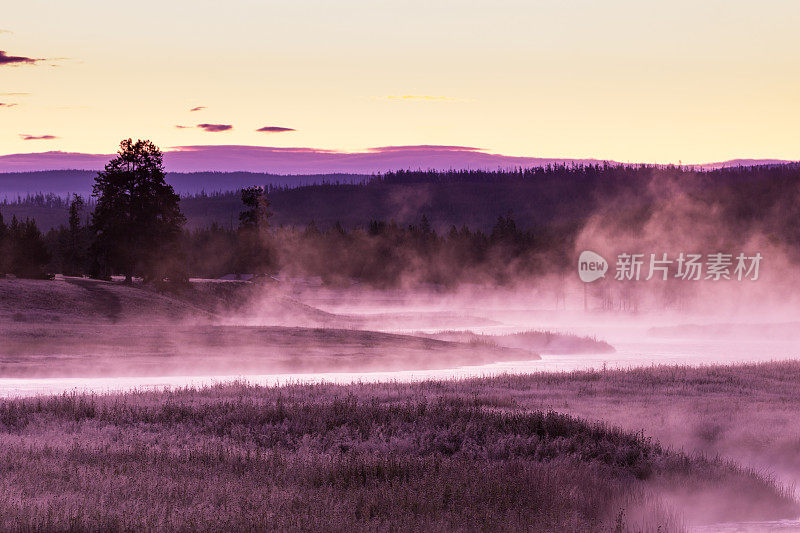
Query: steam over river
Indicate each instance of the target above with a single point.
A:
(634, 347)
(636, 343)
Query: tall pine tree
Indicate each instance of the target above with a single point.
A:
(254, 254)
(76, 242)
(28, 253)
(137, 219)
(5, 248)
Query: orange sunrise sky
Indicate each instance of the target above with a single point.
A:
(632, 81)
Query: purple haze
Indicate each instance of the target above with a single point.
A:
(227, 158)
(289, 160)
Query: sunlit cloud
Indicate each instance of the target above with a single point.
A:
(198, 108)
(26, 137)
(6, 31)
(274, 129)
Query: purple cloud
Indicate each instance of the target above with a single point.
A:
(6, 59)
(292, 160)
(300, 160)
(198, 108)
(213, 128)
(26, 137)
(274, 129)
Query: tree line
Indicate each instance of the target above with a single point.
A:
(134, 225)
(381, 253)
(136, 230)
(384, 253)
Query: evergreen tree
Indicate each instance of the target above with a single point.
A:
(29, 254)
(74, 260)
(254, 253)
(256, 214)
(211, 251)
(137, 220)
(5, 248)
(425, 227)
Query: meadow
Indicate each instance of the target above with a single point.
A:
(539, 452)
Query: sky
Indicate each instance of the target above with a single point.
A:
(631, 81)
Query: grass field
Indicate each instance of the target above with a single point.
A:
(456, 455)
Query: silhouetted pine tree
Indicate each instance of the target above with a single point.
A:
(76, 245)
(5, 248)
(29, 254)
(137, 220)
(254, 254)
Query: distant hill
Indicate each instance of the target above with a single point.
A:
(280, 160)
(562, 197)
(196, 169)
(313, 161)
(65, 182)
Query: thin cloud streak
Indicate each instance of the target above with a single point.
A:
(6, 59)
(198, 108)
(2, 104)
(274, 129)
(211, 128)
(214, 128)
(26, 137)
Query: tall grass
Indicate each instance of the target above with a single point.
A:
(433, 456)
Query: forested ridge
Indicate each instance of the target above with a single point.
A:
(441, 227)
